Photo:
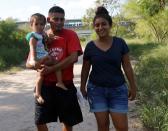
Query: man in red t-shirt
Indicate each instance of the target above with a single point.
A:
(59, 103)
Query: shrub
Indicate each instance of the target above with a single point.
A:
(152, 78)
(13, 49)
(155, 118)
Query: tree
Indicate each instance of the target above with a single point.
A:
(111, 5)
(88, 18)
(7, 29)
(162, 4)
(149, 13)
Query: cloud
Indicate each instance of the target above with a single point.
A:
(25, 13)
(75, 9)
(23, 10)
(33, 9)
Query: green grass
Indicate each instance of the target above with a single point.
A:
(11, 70)
(152, 80)
(140, 47)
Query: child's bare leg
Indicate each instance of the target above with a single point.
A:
(38, 89)
(59, 80)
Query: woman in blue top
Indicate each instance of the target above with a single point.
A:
(106, 88)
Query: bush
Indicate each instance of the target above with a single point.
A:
(2, 63)
(13, 49)
(155, 118)
(82, 39)
(139, 49)
(152, 78)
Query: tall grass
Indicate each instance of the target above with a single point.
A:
(138, 47)
(152, 79)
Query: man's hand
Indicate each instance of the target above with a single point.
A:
(45, 69)
(52, 37)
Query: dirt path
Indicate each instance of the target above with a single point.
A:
(17, 105)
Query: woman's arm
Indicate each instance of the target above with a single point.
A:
(84, 76)
(130, 76)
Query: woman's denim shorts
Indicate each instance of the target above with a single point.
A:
(101, 99)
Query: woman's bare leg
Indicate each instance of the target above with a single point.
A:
(102, 121)
(120, 121)
(42, 127)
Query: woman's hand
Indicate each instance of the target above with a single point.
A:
(132, 94)
(84, 92)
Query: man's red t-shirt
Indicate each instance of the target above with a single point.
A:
(69, 44)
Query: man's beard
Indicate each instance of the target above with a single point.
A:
(57, 29)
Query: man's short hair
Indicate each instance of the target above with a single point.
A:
(56, 9)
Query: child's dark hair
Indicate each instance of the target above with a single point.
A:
(103, 13)
(38, 16)
(56, 9)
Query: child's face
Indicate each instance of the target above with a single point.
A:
(37, 26)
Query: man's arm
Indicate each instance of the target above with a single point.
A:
(62, 64)
(67, 61)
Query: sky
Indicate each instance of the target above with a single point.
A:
(23, 9)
